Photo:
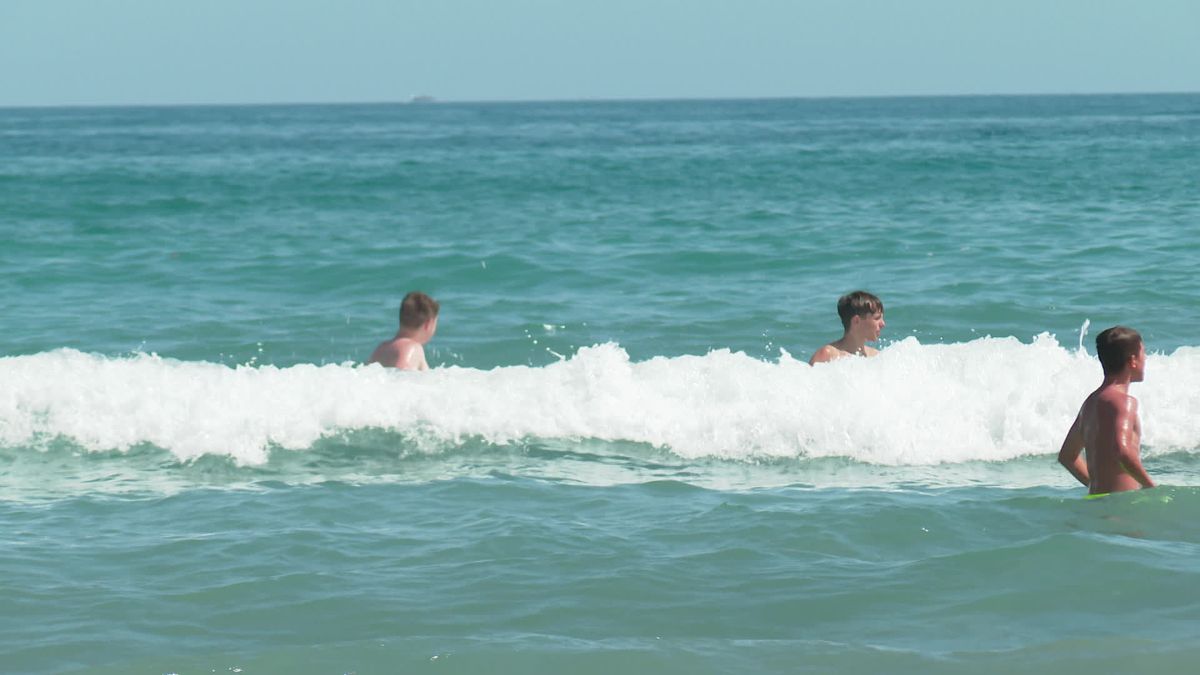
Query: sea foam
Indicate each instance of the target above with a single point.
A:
(991, 399)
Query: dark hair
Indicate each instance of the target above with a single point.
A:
(416, 309)
(858, 303)
(1115, 345)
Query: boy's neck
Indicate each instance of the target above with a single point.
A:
(855, 344)
(414, 334)
(1120, 380)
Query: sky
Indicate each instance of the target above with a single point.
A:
(133, 52)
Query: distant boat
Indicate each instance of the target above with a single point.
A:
(422, 98)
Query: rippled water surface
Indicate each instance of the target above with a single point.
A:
(621, 460)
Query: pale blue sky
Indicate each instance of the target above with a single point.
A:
(56, 52)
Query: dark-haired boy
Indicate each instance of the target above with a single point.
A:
(418, 323)
(1107, 423)
(862, 322)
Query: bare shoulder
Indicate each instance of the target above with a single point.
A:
(1115, 400)
(824, 354)
(386, 354)
(1131, 403)
(869, 351)
(410, 355)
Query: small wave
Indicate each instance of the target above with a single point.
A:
(991, 399)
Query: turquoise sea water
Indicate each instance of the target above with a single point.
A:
(621, 460)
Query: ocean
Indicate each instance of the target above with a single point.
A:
(620, 460)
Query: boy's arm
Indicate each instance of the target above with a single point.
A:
(1069, 454)
(1127, 448)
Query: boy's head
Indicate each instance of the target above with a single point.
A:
(416, 310)
(1118, 347)
(858, 303)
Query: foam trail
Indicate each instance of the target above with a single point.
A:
(989, 399)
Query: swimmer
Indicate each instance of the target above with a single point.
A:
(862, 322)
(1107, 424)
(418, 323)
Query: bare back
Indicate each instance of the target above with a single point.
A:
(1110, 425)
(1108, 429)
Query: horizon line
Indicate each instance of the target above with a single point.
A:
(412, 100)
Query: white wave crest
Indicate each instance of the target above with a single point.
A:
(989, 399)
